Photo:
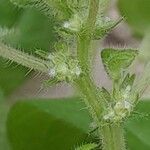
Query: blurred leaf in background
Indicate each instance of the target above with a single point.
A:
(9, 14)
(4, 143)
(48, 125)
(62, 124)
(137, 13)
(33, 31)
(137, 128)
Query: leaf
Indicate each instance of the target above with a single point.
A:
(3, 135)
(105, 95)
(143, 82)
(33, 31)
(137, 129)
(115, 61)
(8, 13)
(11, 77)
(61, 124)
(48, 125)
(137, 13)
(128, 81)
(41, 5)
(104, 26)
(47, 7)
(87, 147)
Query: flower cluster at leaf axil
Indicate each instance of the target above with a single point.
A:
(122, 99)
(65, 67)
(118, 111)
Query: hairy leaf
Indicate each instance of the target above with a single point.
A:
(105, 95)
(87, 147)
(62, 9)
(104, 26)
(128, 81)
(115, 61)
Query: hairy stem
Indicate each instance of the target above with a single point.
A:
(84, 39)
(85, 83)
(23, 58)
(112, 137)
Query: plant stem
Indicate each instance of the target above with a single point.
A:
(23, 58)
(84, 40)
(112, 137)
(85, 83)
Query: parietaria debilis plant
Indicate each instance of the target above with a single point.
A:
(79, 23)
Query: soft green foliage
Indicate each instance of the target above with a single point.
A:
(87, 147)
(3, 131)
(41, 5)
(11, 78)
(137, 127)
(103, 26)
(8, 13)
(143, 81)
(4, 32)
(128, 81)
(61, 8)
(39, 125)
(53, 124)
(32, 31)
(137, 13)
(105, 95)
(116, 61)
(5, 77)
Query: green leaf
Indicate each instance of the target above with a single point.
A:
(63, 124)
(137, 13)
(33, 31)
(47, 125)
(11, 76)
(116, 60)
(104, 26)
(41, 5)
(87, 147)
(128, 81)
(8, 13)
(3, 132)
(137, 128)
(48, 7)
(105, 95)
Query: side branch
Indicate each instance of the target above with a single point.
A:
(23, 58)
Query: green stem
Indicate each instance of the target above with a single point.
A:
(23, 58)
(85, 83)
(112, 137)
(84, 40)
